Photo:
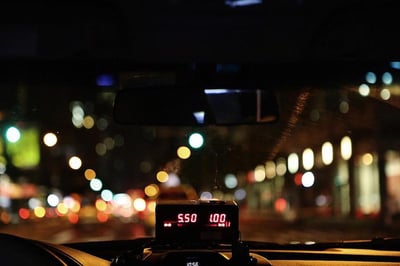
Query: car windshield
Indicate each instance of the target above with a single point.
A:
(323, 165)
(326, 170)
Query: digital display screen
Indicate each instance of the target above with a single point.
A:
(197, 221)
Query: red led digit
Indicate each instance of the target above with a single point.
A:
(180, 218)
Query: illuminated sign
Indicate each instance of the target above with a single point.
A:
(25, 151)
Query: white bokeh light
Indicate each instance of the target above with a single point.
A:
(308, 179)
(13, 134)
(196, 140)
(75, 162)
(96, 184)
(50, 139)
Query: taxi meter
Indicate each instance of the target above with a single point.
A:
(197, 220)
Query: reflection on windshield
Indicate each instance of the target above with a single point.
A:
(238, 106)
(332, 157)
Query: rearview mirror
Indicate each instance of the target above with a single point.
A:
(167, 106)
